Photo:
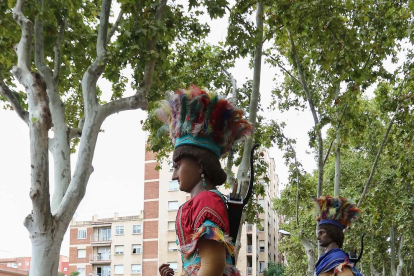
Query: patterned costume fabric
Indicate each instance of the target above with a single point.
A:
(203, 216)
(335, 260)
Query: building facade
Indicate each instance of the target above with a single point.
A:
(107, 246)
(21, 265)
(99, 247)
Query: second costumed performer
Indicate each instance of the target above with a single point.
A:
(335, 214)
(202, 128)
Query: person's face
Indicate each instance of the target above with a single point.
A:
(323, 238)
(187, 172)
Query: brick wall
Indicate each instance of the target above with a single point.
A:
(150, 230)
(74, 236)
(150, 268)
(73, 255)
(151, 209)
(151, 190)
(150, 171)
(150, 249)
(149, 155)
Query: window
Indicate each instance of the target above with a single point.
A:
(171, 226)
(172, 246)
(65, 269)
(81, 271)
(173, 266)
(262, 225)
(81, 234)
(172, 205)
(19, 264)
(173, 185)
(136, 229)
(27, 263)
(119, 230)
(261, 202)
(119, 249)
(261, 246)
(261, 266)
(136, 268)
(81, 253)
(171, 166)
(136, 249)
(119, 269)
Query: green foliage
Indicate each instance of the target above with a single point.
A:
(75, 273)
(274, 269)
(62, 274)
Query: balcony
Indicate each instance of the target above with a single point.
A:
(249, 270)
(100, 259)
(249, 249)
(101, 239)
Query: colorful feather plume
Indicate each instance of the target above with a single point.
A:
(203, 114)
(337, 209)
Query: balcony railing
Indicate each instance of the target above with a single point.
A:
(249, 249)
(100, 258)
(103, 274)
(249, 270)
(101, 238)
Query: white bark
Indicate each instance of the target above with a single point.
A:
(47, 224)
(384, 140)
(392, 251)
(242, 173)
(310, 253)
(314, 115)
(400, 258)
(338, 149)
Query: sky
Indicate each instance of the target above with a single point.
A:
(116, 185)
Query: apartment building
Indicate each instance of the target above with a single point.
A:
(260, 242)
(21, 265)
(107, 246)
(113, 246)
(162, 199)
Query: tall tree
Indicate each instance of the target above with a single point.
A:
(61, 51)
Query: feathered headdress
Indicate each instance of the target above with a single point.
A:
(196, 117)
(337, 211)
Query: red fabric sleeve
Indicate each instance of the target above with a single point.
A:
(209, 206)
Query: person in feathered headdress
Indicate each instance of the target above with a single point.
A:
(202, 127)
(335, 214)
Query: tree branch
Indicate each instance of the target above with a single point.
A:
(287, 72)
(44, 70)
(330, 144)
(115, 26)
(56, 49)
(150, 65)
(384, 139)
(103, 28)
(10, 96)
(314, 114)
(95, 70)
(24, 46)
(75, 133)
(129, 103)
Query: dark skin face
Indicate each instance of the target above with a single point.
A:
(325, 240)
(187, 172)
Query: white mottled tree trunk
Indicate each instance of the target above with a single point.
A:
(49, 219)
(310, 254)
(242, 174)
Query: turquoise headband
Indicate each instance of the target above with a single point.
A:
(206, 143)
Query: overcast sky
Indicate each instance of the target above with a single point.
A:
(116, 184)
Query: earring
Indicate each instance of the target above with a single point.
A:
(204, 180)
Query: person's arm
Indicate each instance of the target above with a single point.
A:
(212, 256)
